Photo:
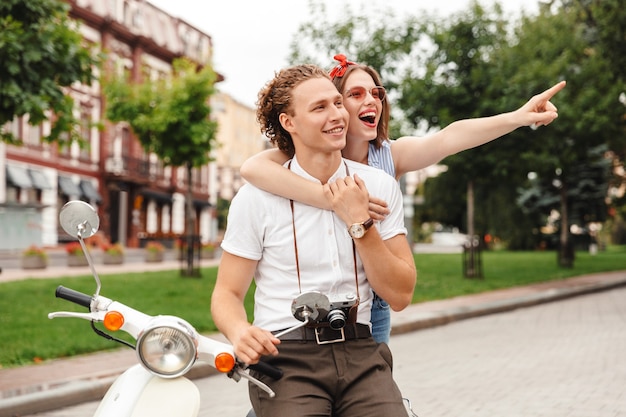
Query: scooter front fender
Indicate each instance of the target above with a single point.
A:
(138, 393)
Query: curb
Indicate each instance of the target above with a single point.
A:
(425, 320)
(86, 390)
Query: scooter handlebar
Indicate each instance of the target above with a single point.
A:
(267, 369)
(73, 296)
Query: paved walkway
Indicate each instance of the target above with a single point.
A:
(65, 382)
(14, 274)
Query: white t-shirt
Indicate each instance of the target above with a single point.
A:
(260, 228)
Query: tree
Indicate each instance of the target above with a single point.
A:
(383, 42)
(446, 76)
(454, 81)
(476, 64)
(606, 23)
(170, 117)
(581, 195)
(41, 56)
(552, 46)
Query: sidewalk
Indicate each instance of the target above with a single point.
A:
(169, 263)
(66, 382)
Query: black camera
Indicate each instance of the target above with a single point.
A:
(341, 312)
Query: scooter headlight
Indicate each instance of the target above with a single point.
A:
(168, 346)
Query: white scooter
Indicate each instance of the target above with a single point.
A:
(166, 346)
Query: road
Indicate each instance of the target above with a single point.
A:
(561, 359)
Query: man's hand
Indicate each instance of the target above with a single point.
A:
(349, 199)
(253, 342)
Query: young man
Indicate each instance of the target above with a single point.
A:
(290, 249)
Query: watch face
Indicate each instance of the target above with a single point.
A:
(357, 231)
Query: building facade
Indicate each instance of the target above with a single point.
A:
(137, 197)
(239, 136)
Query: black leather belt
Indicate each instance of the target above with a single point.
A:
(325, 335)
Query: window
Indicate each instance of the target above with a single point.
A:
(85, 135)
(111, 9)
(126, 142)
(15, 127)
(33, 195)
(65, 147)
(12, 194)
(18, 177)
(201, 46)
(18, 183)
(196, 177)
(89, 192)
(40, 182)
(137, 19)
(184, 39)
(34, 135)
(126, 13)
(68, 188)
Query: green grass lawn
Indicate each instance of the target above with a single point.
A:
(28, 336)
(440, 276)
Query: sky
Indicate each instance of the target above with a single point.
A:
(251, 38)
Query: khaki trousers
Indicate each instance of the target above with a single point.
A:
(346, 379)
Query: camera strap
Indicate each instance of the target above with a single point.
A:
(295, 245)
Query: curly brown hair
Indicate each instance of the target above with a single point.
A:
(275, 98)
(382, 131)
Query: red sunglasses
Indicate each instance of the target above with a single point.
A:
(358, 93)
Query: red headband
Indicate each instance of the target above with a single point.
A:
(340, 69)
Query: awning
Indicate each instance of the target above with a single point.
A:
(69, 187)
(39, 180)
(201, 203)
(89, 191)
(158, 196)
(18, 177)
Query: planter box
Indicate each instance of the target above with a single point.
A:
(76, 260)
(113, 258)
(154, 256)
(34, 262)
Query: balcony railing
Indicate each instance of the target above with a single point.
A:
(134, 168)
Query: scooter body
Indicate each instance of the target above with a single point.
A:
(138, 393)
(166, 346)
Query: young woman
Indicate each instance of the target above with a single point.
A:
(368, 142)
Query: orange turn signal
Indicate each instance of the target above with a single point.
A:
(224, 362)
(113, 320)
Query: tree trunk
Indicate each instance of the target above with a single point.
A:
(470, 209)
(472, 267)
(190, 227)
(566, 249)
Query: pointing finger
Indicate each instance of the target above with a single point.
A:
(550, 92)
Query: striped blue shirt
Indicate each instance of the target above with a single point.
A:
(381, 158)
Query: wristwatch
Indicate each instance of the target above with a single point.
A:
(357, 230)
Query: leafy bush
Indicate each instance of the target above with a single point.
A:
(35, 251)
(74, 248)
(113, 248)
(154, 247)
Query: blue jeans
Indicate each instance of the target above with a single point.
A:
(381, 320)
